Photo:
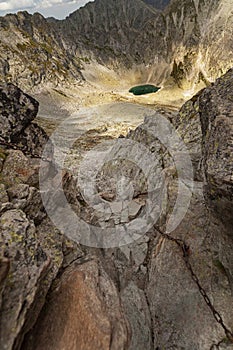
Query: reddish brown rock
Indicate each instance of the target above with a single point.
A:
(82, 313)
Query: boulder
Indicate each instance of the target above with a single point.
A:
(83, 312)
(17, 110)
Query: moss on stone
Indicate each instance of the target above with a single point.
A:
(22, 47)
(3, 154)
(219, 265)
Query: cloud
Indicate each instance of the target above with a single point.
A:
(15, 4)
(48, 8)
(36, 4)
(50, 3)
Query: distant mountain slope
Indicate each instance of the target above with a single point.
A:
(119, 31)
(190, 41)
(31, 52)
(159, 4)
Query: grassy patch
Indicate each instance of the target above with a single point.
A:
(60, 92)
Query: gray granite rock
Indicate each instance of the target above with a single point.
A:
(57, 294)
(217, 130)
(17, 110)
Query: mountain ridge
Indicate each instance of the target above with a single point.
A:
(187, 43)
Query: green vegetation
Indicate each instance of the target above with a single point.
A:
(84, 59)
(22, 47)
(46, 48)
(3, 154)
(144, 89)
(220, 266)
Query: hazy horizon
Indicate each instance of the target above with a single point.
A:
(48, 8)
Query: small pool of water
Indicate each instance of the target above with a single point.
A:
(144, 89)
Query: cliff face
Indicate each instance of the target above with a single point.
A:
(203, 44)
(188, 43)
(55, 293)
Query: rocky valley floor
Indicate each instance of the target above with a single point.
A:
(92, 119)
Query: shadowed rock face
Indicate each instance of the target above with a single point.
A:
(55, 294)
(205, 123)
(217, 129)
(17, 111)
(188, 43)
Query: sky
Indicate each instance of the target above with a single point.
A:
(48, 8)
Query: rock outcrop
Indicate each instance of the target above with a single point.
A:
(31, 250)
(55, 293)
(205, 124)
(85, 291)
(17, 111)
